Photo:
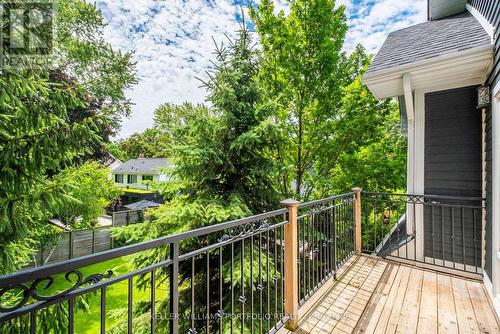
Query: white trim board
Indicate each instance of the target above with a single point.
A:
(468, 67)
(496, 90)
(489, 28)
(489, 289)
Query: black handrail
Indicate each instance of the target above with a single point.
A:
(437, 230)
(84, 261)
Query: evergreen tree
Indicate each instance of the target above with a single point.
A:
(223, 170)
(52, 118)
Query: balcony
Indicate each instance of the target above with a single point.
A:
(379, 296)
(357, 262)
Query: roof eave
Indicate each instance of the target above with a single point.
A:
(469, 66)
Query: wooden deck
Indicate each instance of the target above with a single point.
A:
(377, 296)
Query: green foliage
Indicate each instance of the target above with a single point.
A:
(82, 52)
(330, 118)
(92, 192)
(36, 138)
(223, 165)
(116, 150)
(301, 73)
(151, 143)
(51, 119)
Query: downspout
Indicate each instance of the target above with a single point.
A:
(413, 216)
(410, 112)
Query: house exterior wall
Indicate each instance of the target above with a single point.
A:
(452, 143)
(139, 184)
(452, 165)
(490, 10)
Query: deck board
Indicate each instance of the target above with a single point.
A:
(378, 296)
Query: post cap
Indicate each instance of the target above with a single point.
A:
(357, 190)
(290, 202)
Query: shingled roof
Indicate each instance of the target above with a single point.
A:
(143, 166)
(429, 40)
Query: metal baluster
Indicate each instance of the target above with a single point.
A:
(275, 276)
(193, 328)
(261, 287)
(207, 282)
(32, 322)
(442, 234)
(221, 306)
(433, 236)
(71, 316)
(313, 251)
(374, 207)
(453, 236)
(328, 249)
(232, 287)
(282, 256)
(415, 234)
(462, 223)
(335, 238)
(103, 310)
(251, 285)
(174, 290)
(129, 305)
(153, 300)
(242, 296)
(268, 300)
(475, 239)
(303, 264)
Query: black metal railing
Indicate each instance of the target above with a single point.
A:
(443, 231)
(326, 241)
(225, 278)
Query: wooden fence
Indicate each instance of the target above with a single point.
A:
(78, 243)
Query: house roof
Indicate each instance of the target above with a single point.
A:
(143, 204)
(143, 166)
(429, 40)
(109, 159)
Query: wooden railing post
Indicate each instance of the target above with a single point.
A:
(291, 262)
(357, 220)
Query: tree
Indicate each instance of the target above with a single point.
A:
(328, 114)
(223, 169)
(92, 192)
(302, 74)
(152, 143)
(51, 118)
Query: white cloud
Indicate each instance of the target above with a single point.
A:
(371, 21)
(172, 41)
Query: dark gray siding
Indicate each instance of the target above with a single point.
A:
(452, 168)
(490, 9)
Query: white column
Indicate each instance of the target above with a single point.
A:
(419, 173)
(410, 161)
(495, 205)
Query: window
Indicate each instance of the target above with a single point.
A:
(147, 177)
(118, 178)
(131, 178)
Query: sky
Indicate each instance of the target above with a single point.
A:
(172, 41)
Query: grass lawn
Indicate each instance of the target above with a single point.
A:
(116, 296)
(137, 191)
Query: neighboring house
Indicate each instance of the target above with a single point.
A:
(111, 162)
(135, 175)
(444, 71)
